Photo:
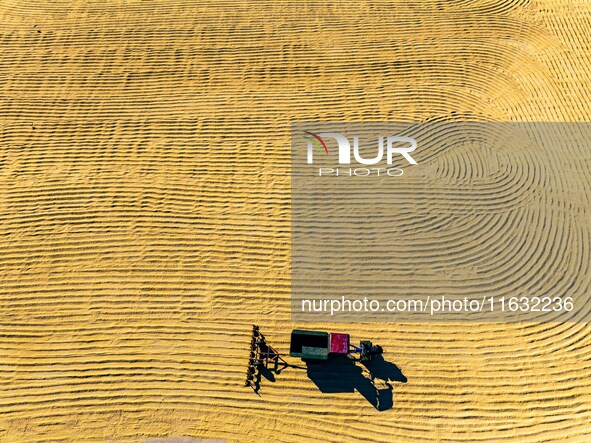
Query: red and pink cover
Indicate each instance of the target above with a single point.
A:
(339, 343)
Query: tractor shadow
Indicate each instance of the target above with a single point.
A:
(371, 379)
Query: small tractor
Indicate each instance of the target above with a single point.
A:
(307, 345)
(316, 345)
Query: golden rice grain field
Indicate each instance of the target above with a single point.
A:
(145, 215)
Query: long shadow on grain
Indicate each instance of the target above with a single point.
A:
(372, 379)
